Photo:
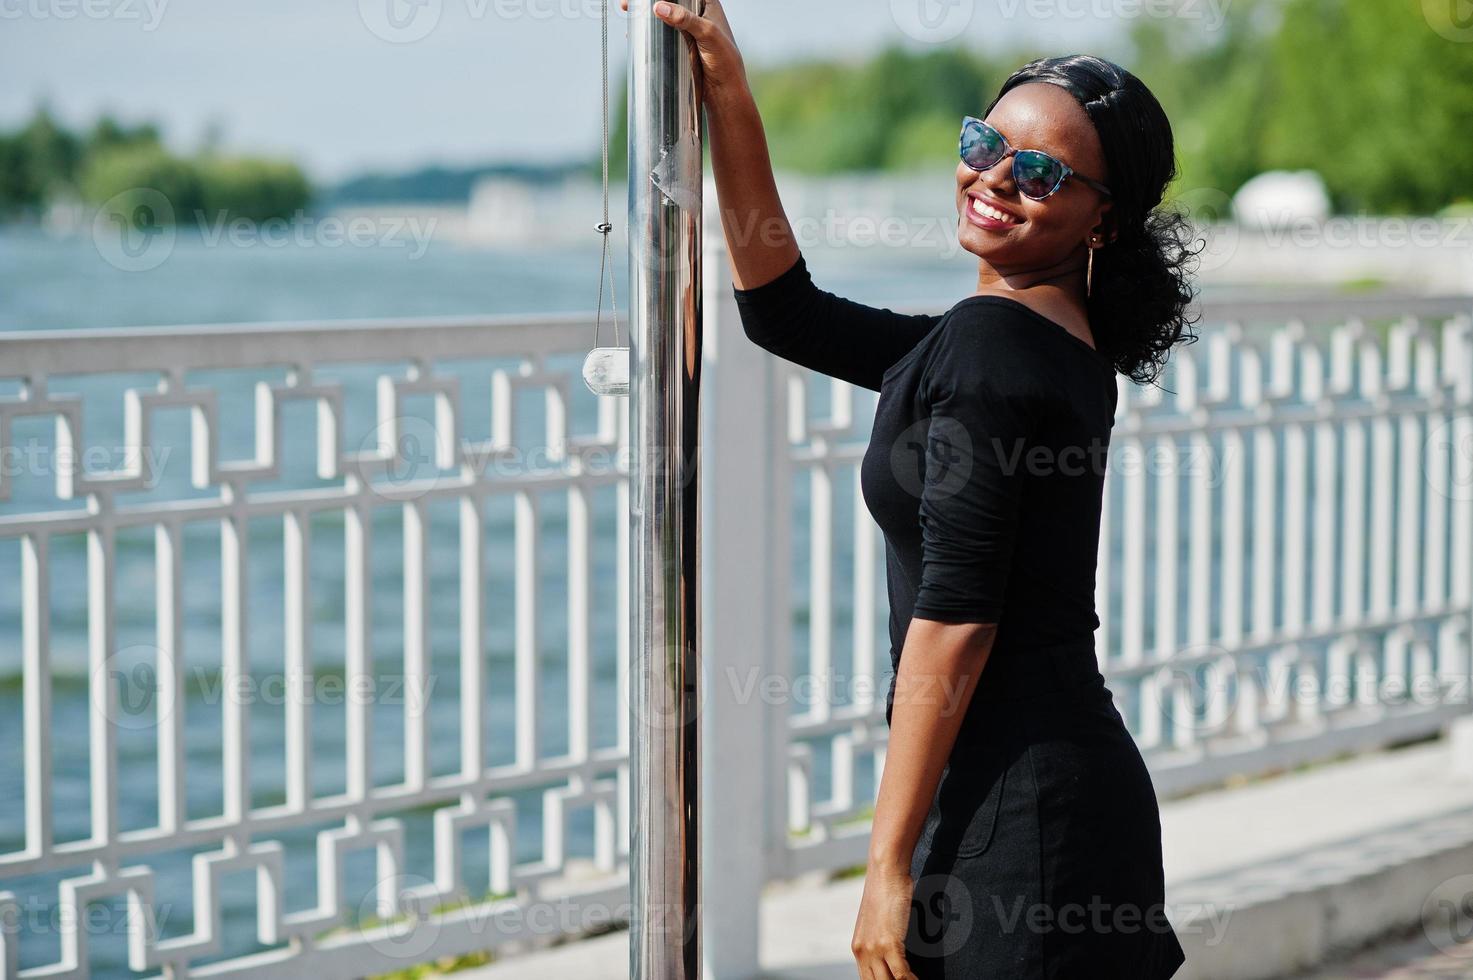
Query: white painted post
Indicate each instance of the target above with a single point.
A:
(738, 721)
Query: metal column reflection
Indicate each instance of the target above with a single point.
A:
(665, 373)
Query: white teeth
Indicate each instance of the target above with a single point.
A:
(991, 212)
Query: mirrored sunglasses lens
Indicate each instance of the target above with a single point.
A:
(1036, 174)
(980, 145)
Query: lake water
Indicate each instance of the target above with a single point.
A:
(52, 282)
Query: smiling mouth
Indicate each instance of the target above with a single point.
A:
(986, 210)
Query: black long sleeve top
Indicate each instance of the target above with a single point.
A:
(985, 467)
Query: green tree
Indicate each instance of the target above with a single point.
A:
(897, 110)
(1368, 95)
(252, 188)
(208, 189)
(16, 193)
(46, 158)
(126, 169)
(1216, 89)
(107, 134)
(1375, 100)
(125, 181)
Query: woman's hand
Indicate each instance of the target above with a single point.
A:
(722, 70)
(760, 243)
(884, 918)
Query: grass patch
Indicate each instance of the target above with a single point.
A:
(440, 967)
(1363, 284)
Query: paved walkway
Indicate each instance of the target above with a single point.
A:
(1286, 868)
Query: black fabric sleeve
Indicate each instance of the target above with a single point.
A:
(982, 426)
(797, 321)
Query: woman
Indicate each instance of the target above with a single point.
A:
(1016, 832)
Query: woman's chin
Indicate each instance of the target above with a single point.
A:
(983, 244)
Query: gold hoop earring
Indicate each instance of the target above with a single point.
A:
(1089, 272)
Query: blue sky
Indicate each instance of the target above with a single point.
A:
(348, 85)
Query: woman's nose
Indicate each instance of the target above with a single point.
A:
(998, 178)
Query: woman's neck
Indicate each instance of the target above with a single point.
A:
(1065, 279)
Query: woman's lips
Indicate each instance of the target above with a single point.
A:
(989, 221)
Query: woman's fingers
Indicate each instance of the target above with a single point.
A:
(681, 18)
(705, 26)
(885, 964)
(899, 968)
(878, 968)
(721, 68)
(676, 12)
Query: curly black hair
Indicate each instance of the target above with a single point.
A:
(1141, 284)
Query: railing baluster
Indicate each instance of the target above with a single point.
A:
(1383, 484)
(579, 655)
(821, 585)
(297, 658)
(1411, 380)
(1458, 349)
(416, 645)
(1434, 453)
(1234, 463)
(1199, 541)
(235, 672)
(1266, 567)
(1133, 616)
(36, 651)
(1353, 529)
(1326, 511)
(101, 645)
(1168, 523)
(528, 738)
(172, 694)
(358, 651)
(472, 640)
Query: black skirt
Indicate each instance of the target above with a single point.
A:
(1041, 856)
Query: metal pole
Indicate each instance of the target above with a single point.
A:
(664, 387)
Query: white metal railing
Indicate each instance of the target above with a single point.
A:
(1303, 541)
(395, 457)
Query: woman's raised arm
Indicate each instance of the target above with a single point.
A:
(781, 308)
(759, 239)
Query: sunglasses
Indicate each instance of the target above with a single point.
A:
(1036, 173)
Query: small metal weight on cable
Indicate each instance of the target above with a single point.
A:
(606, 369)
